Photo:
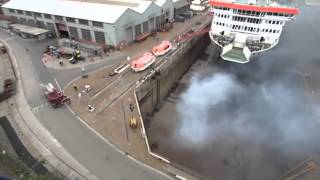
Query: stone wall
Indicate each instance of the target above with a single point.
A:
(151, 93)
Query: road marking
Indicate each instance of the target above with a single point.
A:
(39, 108)
(57, 84)
(121, 68)
(56, 142)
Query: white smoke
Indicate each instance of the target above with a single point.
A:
(197, 100)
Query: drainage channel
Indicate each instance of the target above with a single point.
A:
(23, 154)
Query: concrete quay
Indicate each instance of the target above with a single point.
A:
(113, 96)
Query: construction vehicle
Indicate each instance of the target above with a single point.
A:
(76, 56)
(55, 97)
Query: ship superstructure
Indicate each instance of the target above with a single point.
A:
(243, 28)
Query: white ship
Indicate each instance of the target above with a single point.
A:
(243, 28)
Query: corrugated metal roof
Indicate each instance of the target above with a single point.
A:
(102, 12)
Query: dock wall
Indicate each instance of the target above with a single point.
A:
(166, 75)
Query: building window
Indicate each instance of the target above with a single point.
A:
(167, 14)
(60, 18)
(37, 14)
(41, 24)
(97, 24)
(84, 22)
(158, 22)
(28, 13)
(31, 22)
(48, 16)
(23, 20)
(86, 34)
(145, 26)
(50, 26)
(100, 38)
(151, 23)
(137, 29)
(12, 11)
(69, 19)
(19, 12)
(73, 32)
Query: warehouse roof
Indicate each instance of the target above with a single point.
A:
(107, 11)
(180, 3)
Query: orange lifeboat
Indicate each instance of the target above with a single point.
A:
(162, 48)
(143, 62)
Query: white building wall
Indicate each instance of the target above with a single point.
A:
(114, 33)
(110, 34)
(169, 6)
(131, 18)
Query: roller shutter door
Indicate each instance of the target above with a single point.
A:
(129, 34)
(73, 32)
(86, 35)
(100, 38)
(50, 26)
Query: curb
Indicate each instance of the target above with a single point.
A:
(40, 138)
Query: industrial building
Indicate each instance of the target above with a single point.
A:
(110, 22)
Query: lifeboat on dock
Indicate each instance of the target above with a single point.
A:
(143, 62)
(162, 48)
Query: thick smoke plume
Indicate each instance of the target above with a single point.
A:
(197, 100)
(271, 121)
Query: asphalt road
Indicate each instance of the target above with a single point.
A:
(91, 151)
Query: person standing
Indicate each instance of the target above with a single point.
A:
(75, 87)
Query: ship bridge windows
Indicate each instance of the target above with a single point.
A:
(253, 20)
(270, 31)
(221, 8)
(249, 20)
(238, 18)
(274, 22)
(279, 14)
(222, 15)
(248, 13)
(220, 24)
